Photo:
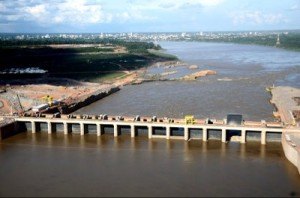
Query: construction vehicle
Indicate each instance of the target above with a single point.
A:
(189, 119)
(48, 99)
(137, 118)
(154, 119)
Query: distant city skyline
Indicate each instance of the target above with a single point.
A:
(95, 16)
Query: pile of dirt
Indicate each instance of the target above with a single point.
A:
(199, 74)
(193, 67)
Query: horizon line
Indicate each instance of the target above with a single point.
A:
(148, 32)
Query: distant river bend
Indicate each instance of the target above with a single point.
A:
(243, 73)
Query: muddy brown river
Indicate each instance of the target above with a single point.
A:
(243, 73)
(58, 165)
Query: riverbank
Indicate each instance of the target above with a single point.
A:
(286, 101)
(69, 73)
(71, 94)
(67, 109)
(21, 98)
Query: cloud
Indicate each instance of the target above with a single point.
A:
(96, 15)
(79, 11)
(172, 4)
(54, 11)
(295, 7)
(208, 3)
(255, 17)
(71, 12)
(36, 11)
(128, 16)
(2, 7)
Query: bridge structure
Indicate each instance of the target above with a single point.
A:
(205, 126)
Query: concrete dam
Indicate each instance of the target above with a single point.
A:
(167, 128)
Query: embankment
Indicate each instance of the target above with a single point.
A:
(291, 148)
(285, 101)
(66, 109)
(199, 74)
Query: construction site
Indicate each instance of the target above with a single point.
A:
(38, 98)
(286, 101)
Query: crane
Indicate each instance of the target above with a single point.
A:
(48, 99)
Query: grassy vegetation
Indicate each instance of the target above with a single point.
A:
(135, 46)
(91, 76)
(289, 41)
(92, 50)
(161, 54)
(77, 63)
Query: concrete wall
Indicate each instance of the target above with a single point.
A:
(291, 153)
(298, 165)
(87, 101)
(11, 129)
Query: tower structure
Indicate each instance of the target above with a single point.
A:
(278, 40)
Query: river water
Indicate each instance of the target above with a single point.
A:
(73, 165)
(58, 165)
(243, 73)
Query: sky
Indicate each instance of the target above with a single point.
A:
(96, 16)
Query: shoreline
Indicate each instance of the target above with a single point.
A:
(292, 49)
(134, 80)
(291, 146)
(72, 94)
(87, 101)
(284, 100)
